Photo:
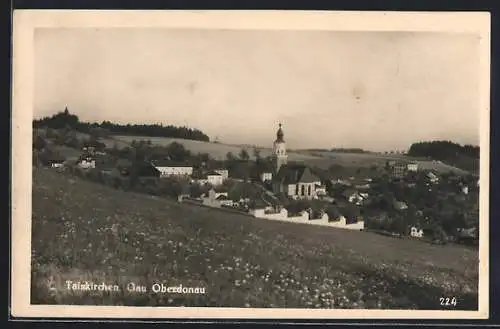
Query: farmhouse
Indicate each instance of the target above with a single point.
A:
(412, 166)
(266, 176)
(353, 196)
(86, 162)
(398, 169)
(214, 178)
(432, 177)
(216, 192)
(216, 197)
(416, 232)
(223, 172)
(170, 168)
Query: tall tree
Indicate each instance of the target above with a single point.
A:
(244, 154)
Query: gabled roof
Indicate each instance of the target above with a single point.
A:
(169, 163)
(212, 173)
(295, 173)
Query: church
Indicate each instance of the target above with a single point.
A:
(294, 180)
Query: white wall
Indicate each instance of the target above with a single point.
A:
(304, 219)
(266, 176)
(86, 164)
(215, 180)
(175, 171)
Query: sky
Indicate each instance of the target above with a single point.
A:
(372, 90)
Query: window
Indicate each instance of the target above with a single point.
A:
(303, 190)
(309, 190)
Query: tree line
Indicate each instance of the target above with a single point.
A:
(65, 119)
(443, 150)
(465, 157)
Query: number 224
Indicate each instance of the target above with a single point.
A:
(447, 301)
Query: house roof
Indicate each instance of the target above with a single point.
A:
(296, 173)
(212, 173)
(169, 163)
(222, 197)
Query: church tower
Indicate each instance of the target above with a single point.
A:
(279, 150)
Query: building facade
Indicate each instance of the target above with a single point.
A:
(223, 172)
(412, 166)
(297, 182)
(169, 168)
(214, 178)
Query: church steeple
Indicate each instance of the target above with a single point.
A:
(280, 135)
(279, 150)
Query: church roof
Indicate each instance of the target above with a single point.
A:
(295, 173)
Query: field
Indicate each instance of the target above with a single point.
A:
(320, 159)
(85, 231)
(216, 150)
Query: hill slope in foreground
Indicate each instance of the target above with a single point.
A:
(83, 231)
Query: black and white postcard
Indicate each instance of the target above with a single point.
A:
(250, 164)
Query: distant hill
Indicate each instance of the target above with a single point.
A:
(65, 119)
(465, 157)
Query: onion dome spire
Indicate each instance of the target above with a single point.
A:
(280, 135)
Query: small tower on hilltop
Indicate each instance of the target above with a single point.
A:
(279, 150)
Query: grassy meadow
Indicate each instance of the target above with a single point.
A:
(86, 231)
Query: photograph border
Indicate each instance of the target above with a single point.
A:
(26, 21)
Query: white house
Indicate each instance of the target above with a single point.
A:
(412, 166)
(217, 197)
(320, 190)
(214, 193)
(416, 233)
(354, 196)
(266, 176)
(432, 177)
(86, 163)
(223, 172)
(214, 178)
(170, 168)
(57, 164)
